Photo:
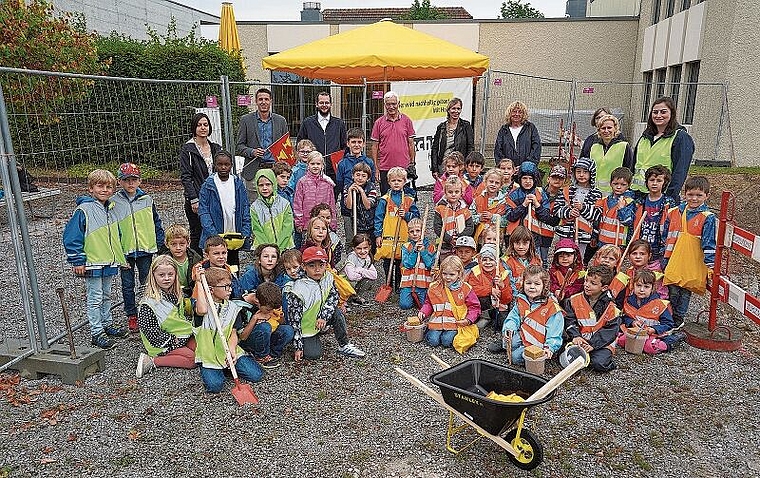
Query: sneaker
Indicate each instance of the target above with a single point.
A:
(269, 362)
(115, 331)
(144, 365)
(103, 341)
(132, 319)
(351, 350)
(496, 347)
(358, 300)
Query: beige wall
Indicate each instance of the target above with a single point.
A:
(253, 42)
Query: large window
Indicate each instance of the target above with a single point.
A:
(295, 97)
(656, 11)
(660, 82)
(646, 97)
(670, 8)
(685, 4)
(675, 82)
(692, 77)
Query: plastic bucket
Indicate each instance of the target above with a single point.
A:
(415, 333)
(634, 343)
(535, 366)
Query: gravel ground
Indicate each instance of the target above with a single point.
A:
(689, 412)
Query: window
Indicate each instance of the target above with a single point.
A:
(692, 77)
(671, 6)
(685, 4)
(646, 97)
(675, 82)
(660, 80)
(656, 11)
(295, 97)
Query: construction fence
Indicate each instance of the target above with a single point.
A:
(61, 126)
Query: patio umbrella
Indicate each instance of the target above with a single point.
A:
(228, 33)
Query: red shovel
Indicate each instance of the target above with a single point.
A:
(242, 392)
(385, 290)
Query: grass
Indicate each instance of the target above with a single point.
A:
(641, 462)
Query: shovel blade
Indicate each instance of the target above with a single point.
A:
(383, 293)
(244, 394)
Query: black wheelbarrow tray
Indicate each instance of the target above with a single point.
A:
(463, 393)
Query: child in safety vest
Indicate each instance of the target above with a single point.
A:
(614, 209)
(178, 242)
(592, 320)
(141, 233)
(536, 319)
(580, 211)
(415, 277)
(450, 303)
(690, 230)
(396, 205)
(528, 205)
(209, 350)
(454, 164)
(639, 256)
(165, 320)
(466, 250)
(488, 288)
(644, 309)
(490, 202)
(312, 305)
(452, 215)
(609, 256)
(566, 272)
(520, 254)
(265, 334)
(271, 214)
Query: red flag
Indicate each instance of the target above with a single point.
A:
(282, 150)
(335, 159)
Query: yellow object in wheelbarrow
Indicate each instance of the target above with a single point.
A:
(512, 397)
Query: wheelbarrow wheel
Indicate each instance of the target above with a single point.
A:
(530, 451)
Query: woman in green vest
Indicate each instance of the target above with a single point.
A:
(664, 142)
(609, 151)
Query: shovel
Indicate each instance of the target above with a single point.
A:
(385, 290)
(415, 297)
(242, 392)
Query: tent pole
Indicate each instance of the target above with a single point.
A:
(364, 107)
(483, 120)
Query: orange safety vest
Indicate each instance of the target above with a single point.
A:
(408, 274)
(533, 322)
(619, 283)
(389, 227)
(481, 281)
(648, 313)
(588, 323)
(694, 227)
(535, 225)
(483, 204)
(443, 317)
(517, 268)
(449, 217)
(611, 231)
(631, 272)
(566, 280)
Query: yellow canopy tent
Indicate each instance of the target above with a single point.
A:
(382, 51)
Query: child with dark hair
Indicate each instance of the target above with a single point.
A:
(354, 157)
(454, 164)
(362, 190)
(520, 254)
(266, 268)
(282, 171)
(266, 334)
(614, 208)
(592, 320)
(473, 164)
(566, 272)
(528, 205)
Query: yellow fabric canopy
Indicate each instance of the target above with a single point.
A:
(382, 51)
(228, 32)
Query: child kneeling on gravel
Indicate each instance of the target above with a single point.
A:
(311, 304)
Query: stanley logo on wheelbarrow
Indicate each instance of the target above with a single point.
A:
(468, 399)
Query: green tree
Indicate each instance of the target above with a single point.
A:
(517, 9)
(422, 10)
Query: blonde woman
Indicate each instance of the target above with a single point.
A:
(518, 138)
(609, 152)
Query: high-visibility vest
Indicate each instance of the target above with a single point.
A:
(135, 217)
(611, 231)
(619, 283)
(209, 350)
(390, 221)
(630, 273)
(421, 272)
(449, 217)
(443, 317)
(693, 226)
(517, 268)
(535, 225)
(650, 154)
(648, 313)
(588, 322)
(607, 162)
(102, 244)
(533, 322)
(171, 319)
(481, 281)
(565, 280)
(483, 203)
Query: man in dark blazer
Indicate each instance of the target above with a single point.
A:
(258, 130)
(327, 132)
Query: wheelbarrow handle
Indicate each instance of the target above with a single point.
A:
(440, 361)
(577, 364)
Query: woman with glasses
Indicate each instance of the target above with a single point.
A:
(454, 134)
(518, 138)
(664, 142)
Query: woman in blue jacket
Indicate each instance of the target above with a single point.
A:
(518, 139)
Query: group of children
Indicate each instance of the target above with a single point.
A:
(489, 262)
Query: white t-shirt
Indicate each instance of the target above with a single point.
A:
(227, 197)
(515, 132)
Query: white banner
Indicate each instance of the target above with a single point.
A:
(425, 103)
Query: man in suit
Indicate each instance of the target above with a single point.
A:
(258, 130)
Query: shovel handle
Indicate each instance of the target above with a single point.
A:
(353, 208)
(212, 308)
(636, 231)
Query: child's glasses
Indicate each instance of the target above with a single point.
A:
(223, 286)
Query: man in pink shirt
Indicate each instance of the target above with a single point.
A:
(393, 141)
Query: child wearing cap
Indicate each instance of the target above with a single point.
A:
(466, 249)
(141, 232)
(311, 304)
(566, 272)
(528, 206)
(555, 187)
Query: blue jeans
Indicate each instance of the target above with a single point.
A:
(247, 369)
(99, 303)
(543, 253)
(434, 338)
(128, 281)
(263, 341)
(405, 300)
(679, 300)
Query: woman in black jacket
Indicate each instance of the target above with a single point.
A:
(195, 165)
(454, 134)
(518, 139)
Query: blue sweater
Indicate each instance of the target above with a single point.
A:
(345, 173)
(211, 215)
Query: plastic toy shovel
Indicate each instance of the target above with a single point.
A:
(242, 392)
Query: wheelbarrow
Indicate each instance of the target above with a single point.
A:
(463, 393)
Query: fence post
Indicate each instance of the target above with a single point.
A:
(364, 107)
(484, 119)
(573, 90)
(9, 165)
(227, 116)
(720, 125)
(728, 125)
